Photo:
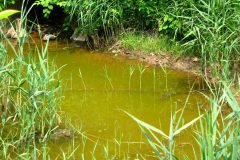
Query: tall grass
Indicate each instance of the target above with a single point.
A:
(31, 96)
(218, 135)
(131, 72)
(81, 77)
(107, 77)
(141, 70)
(96, 18)
(212, 29)
(154, 79)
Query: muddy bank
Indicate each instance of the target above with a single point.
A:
(163, 59)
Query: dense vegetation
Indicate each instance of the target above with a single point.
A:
(206, 28)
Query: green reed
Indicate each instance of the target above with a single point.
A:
(141, 70)
(31, 96)
(95, 18)
(220, 130)
(81, 77)
(131, 71)
(71, 82)
(213, 34)
(106, 75)
(154, 79)
(164, 69)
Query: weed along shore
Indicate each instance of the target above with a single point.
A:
(111, 79)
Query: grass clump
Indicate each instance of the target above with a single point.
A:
(31, 99)
(149, 43)
(30, 93)
(212, 30)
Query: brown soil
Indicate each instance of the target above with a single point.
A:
(191, 65)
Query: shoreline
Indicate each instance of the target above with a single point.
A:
(163, 59)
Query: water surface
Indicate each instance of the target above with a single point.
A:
(97, 92)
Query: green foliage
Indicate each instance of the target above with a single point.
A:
(139, 13)
(93, 15)
(169, 24)
(169, 21)
(49, 4)
(148, 12)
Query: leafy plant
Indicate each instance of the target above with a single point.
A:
(49, 4)
(168, 24)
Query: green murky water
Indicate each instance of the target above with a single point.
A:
(95, 101)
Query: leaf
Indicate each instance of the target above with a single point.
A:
(165, 27)
(5, 14)
(147, 126)
(152, 144)
(160, 28)
(187, 125)
(170, 19)
(165, 19)
(50, 7)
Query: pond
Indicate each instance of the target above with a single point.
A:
(98, 88)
